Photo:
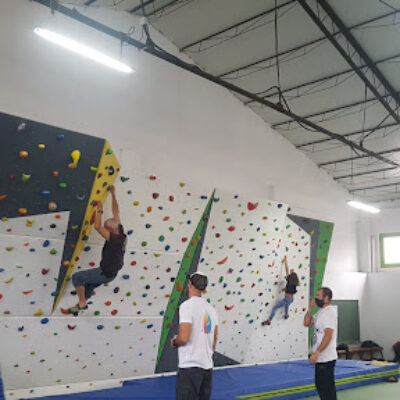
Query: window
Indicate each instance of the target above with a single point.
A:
(390, 249)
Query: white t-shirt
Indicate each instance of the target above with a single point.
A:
(198, 350)
(323, 319)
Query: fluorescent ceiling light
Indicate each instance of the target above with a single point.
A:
(364, 207)
(83, 50)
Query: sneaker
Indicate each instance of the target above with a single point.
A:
(267, 322)
(75, 309)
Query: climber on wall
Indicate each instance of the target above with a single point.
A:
(292, 281)
(112, 257)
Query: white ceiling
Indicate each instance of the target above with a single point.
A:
(187, 21)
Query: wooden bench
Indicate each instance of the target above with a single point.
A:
(361, 351)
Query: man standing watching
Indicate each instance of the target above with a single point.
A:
(324, 353)
(196, 342)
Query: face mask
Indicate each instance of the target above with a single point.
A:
(320, 303)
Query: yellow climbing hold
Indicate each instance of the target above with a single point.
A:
(41, 146)
(75, 155)
(38, 313)
(4, 219)
(157, 255)
(9, 280)
(29, 222)
(10, 248)
(135, 203)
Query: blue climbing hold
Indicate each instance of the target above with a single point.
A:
(100, 327)
(44, 321)
(45, 193)
(86, 248)
(126, 276)
(60, 137)
(129, 232)
(46, 243)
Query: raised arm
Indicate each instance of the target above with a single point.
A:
(114, 205)
(284, 261)
(308, 319)
(97, 222)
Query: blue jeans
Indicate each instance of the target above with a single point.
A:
(91, 279)
(285, 302)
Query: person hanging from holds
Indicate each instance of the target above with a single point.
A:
(112, 257)
(292, 281)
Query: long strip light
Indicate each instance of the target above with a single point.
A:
(83, 50)
(364, 207)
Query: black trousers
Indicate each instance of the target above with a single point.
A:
(193, 384)
(325, 380)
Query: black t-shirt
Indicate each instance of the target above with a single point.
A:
(112, 256)
(290, 288)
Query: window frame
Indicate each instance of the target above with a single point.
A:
(382, 236)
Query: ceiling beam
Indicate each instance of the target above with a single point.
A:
(304, 45)
(162, 8)
(319, 80)
(141, 6)
(364, 173)
(154, 50)
(237, 25)
(89, 2)
(342, 160)
(358, 132)
(350, 59)
(383, 200)
(375, 187)
(328, 111)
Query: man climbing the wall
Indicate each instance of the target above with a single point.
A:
(324, 354)
(112, 257)
(196, 342)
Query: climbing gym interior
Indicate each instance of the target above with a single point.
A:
(236, 134)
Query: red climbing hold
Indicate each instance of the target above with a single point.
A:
(251, 206)
(114, 312)
(64, 311)
(179, 286)
(184, 239)
(223, 261)
(45, 271)
(228, 308)
(152, 177)
(171, 198)
(108, 303)
(231, 228)
(149, 208)
(3, 196)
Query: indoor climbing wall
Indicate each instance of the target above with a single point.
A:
(30, 256)
(240, 256)
(285, 339)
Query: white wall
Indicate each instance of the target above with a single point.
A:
(169, 118)
(380, 302)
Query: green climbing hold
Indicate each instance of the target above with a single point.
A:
(96, 313)
(221, 278)
(93, 169)
(239, 279)
(25, 177)
(62, 185)
(108, 152)
(129, 294)
(144, 244)
(53, 251)
(161, 238)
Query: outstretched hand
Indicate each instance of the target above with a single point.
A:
(284, 259)
(99, 206)
(111, 188)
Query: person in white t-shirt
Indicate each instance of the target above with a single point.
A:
(196, 342)
(324, 353)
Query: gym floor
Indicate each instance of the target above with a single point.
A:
(383, 391)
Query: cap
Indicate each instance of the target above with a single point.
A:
(199, 280)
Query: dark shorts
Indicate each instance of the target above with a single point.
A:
(193, 384)
(90, 279)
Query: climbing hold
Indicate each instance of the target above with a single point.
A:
(108, 303)
(100, 327)
(114, 312)
(223, 261)
(22, 211)
(56, 173)
(25, 177)
(23, 154)
(251, 206)
(9, 280)
(75, 155)
(53, 252)
(45, 192)
(65, 263)
(3, 197)
(20, 328)
(44, 321)
(80, 197)
(171, 198)
(228, 308)
(108, 152)
(45, 271)
(21, 127)
(41, 146)
(10, 248)
(52, 206)
(116, 289)
(152, 177)
(93, 169)
(231, 228)
(117, 327)
(111, 170)
(62, 185)
(27, 291)
(179, 286)
(71, 327)
(29, 222)
(126, 276)
(38, 313)
(124, 178)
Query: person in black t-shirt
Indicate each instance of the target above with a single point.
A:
(292, 281)
(112, 256)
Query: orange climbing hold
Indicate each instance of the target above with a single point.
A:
(223, 261)
(179, 286)
(23, 154)
(3, 196)
(27, 291)
(64, 311)
(22, 211)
